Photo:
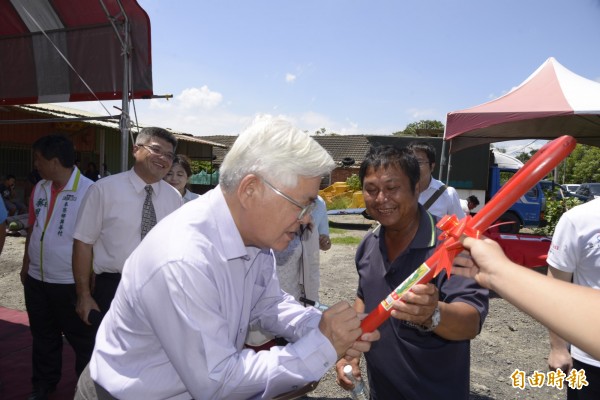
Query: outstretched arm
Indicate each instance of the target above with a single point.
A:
(568, 310)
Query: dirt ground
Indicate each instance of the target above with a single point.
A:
(510, 340)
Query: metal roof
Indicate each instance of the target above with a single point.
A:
(339, 147)
(53, 110)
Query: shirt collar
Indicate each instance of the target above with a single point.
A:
(71, 185)
(139, 185)
(434, 184)
(232, 244)
(426, 232)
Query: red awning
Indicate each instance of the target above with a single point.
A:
(51, 49)
(552, 102)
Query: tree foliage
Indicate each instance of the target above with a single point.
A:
(353, 182)
(524, 157)
(431, 127)
(582, 165)
(555, 208)
(198, 166)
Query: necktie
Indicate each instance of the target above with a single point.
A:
(148, 214)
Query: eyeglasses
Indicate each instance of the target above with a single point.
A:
(158, 152)
(303, 209)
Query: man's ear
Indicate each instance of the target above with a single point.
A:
(55, 162)
(249, 190)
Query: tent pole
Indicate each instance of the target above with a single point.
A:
(124, 123)
(448, 170)
(125, 40)
(443, 163)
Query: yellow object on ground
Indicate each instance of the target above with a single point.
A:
(340, 194)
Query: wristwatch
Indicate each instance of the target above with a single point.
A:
(436, 317)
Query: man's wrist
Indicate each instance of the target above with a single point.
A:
(434, 321)
(436, 318)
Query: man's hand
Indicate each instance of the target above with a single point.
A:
(340, 324)
(24, 271)
(560, 358)
(363, 344)
(324, 242)
(342, 380)
(85, 304)
(25, 266)
(417, 306)
(481, 260)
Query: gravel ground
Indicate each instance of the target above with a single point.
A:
(510, 339)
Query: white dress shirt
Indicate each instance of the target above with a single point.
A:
(447, 204)
(111, 214)
(189, 195)
(188, 294)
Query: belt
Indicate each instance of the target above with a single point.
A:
(109, 276)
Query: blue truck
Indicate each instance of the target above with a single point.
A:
(527, 212)
(482, 171)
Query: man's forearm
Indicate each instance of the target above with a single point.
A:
(459, 321)
(557, 342)
(82, 267)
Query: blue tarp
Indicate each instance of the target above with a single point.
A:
(204, 178)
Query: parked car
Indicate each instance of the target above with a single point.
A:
(589, 190)
(552, 187)
(571, 187)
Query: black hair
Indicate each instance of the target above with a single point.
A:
(185, 163)
(426, 148)
(148, 133)
(56, 146)
(386, 156)
(473, 199)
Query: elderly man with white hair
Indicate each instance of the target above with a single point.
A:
(206, 273)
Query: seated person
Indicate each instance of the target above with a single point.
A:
(7, 190)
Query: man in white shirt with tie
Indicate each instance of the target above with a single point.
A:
(109, 223)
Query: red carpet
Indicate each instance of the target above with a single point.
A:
(15, 360)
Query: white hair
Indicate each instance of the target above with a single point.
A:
(273, 149)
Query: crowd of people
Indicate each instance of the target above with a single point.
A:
(163, 293)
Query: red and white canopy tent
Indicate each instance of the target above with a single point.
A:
(63, 50)
(552, 102)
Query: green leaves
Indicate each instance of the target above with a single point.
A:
(353, 182)
(554, 210)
